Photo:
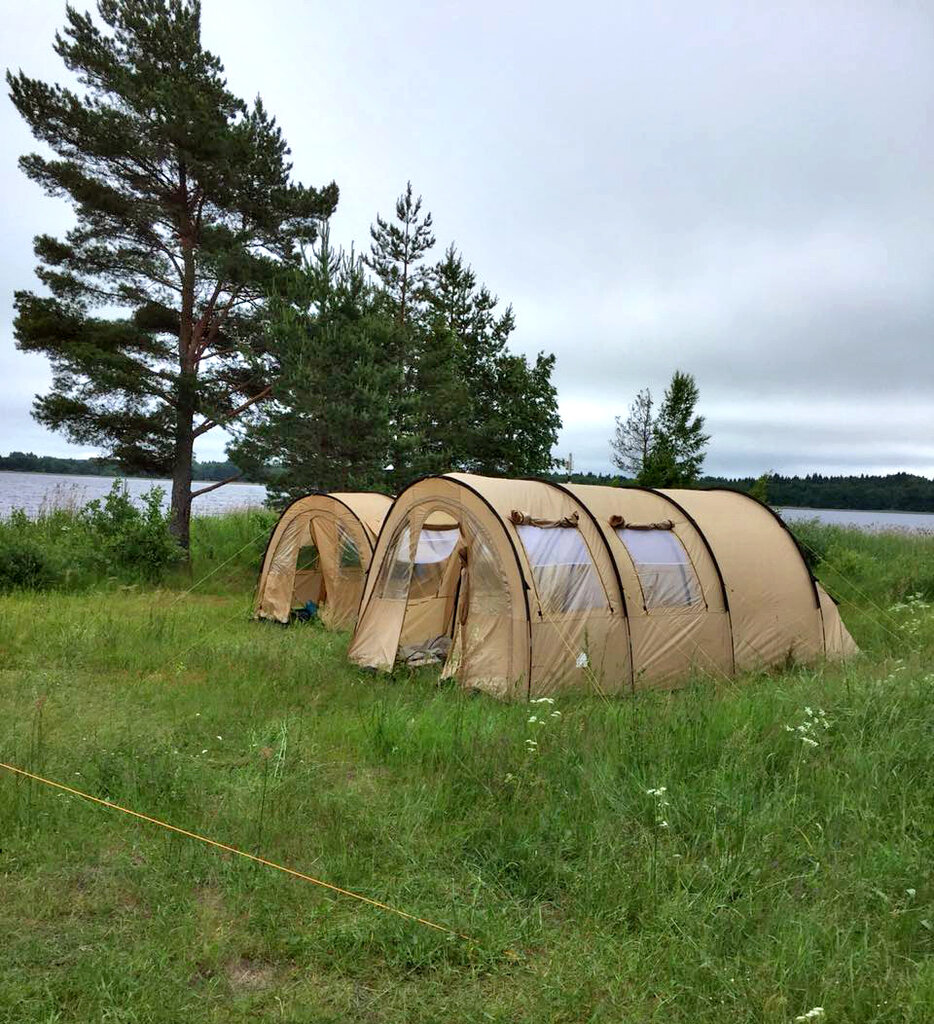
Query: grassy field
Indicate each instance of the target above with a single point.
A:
(770, 876)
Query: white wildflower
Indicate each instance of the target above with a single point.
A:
(556, 714)
(542, 700)
(815, 1014)
(220, 737)
(204, 751)
(809, 741)
(534, 718)
(911, 893)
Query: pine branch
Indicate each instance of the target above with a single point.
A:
(213, 487)
(211, 424)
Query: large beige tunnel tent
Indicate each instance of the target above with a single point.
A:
(541, 586)
(320, 551)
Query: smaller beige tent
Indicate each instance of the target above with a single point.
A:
(320, 551)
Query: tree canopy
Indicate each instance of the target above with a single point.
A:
(185, 213)
(399, 373)
(666, 450)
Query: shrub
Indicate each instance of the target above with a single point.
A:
(24, 564)
(128, 540)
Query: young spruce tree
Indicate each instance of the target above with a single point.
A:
(154, 321)
(678, 440)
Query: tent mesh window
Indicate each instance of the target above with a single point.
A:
(403, 577)
(348, 557)
(565, 577)
(396, 570)
(665, 572)
(432, 552)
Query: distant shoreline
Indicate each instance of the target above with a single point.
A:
(837, 507)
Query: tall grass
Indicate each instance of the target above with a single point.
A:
(787, 874)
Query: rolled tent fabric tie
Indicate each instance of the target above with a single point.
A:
(618, 522)
(518, 518)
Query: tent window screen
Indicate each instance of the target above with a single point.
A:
(432, 552)
(565, 577)
(665, 572)
(348, 552)
(425, 571)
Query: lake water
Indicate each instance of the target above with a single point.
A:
(921, 522)
(33, 491)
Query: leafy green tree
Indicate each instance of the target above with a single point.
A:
(154, 321)
(678, 439)
(330, 423)
(631, 443)
(521, 429)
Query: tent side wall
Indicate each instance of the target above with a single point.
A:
(676, 633)
(370, 507)
(774, 603)
(578, 632)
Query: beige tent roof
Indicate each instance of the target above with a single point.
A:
(320, 551)
(543, 586)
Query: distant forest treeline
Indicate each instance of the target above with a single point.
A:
(27, 462)
(903, 492)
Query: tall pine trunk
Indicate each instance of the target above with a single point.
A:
(186, 397)
(180, 524)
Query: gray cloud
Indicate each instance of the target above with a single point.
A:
(742, 191)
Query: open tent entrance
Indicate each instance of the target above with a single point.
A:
(445, 594)
(317, 562)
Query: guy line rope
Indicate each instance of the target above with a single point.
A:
(240, 853)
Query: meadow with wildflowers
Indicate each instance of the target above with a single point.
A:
(757, 850)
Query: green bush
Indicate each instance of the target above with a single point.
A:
(108, 539)
(25, 564)
(129, 541)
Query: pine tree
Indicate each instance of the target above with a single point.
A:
(678, 438)
(330, 424)
(632, 441)
(185, 212)
(507, 418)
(396, 251)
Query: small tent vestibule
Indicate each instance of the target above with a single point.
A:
(319, 552)
(527, 587)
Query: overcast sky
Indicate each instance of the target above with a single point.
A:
(744, 191)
